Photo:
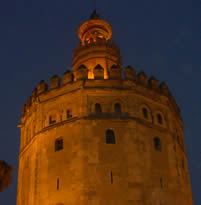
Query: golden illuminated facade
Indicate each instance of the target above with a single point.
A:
(102, 136)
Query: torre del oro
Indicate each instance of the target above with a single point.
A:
(102, 134)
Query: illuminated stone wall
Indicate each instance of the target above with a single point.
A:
(85, 169)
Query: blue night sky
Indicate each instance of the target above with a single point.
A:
(37, 39)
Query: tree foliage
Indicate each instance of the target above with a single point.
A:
(5, 175)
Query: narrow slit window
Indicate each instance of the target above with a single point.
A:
(111, 177)
(98, 109)
(110, 137)
(57, 183)
(117, 108)
(58, 144)
(157, 144)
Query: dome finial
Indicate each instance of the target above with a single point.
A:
(94, 29)
(94, 15)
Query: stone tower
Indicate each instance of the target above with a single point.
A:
(100, 137)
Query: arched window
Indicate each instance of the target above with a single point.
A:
(157, 144)
(159, 119)
(52, 119)
(98, 109)
(69, 114)
(58, 144)
(117, 108)
(110, 137)
(145, 113)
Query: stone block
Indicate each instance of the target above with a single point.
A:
(55, 82)
(42, 87)
(67, 77)
(130, 73)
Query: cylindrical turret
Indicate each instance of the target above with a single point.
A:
(96, 47)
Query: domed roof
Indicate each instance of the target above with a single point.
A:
(94, 28)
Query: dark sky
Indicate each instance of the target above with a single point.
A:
(161, 37)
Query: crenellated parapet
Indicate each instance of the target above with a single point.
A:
(67, 77)
(153, 83)
(150, 86)
(115, 72)
(142, 79)
(42, 87)
(130, 73)
(82, 72)
(55, 82)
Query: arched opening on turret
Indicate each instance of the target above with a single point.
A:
(99, 67)
(98, 72)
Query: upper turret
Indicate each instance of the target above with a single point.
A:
(96, 47)
(98, 58)
(94, 29)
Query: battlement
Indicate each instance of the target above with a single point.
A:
(129, 75)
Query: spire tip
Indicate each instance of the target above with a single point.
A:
(94, 15)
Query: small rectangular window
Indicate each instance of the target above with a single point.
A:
(58, 145)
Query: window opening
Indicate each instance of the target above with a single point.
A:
(57, 183)
(157, 144)
(110, 137)
(159, 118)
(52, 120)
(98, 109)
(145, 113)
(58, 145)
(68, 114)
(111, 177)
(117, 108)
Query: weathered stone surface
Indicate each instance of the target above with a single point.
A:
(136, 169)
